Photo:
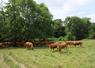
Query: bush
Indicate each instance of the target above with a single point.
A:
(69, 37)
(61, 38)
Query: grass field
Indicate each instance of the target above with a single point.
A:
(73, 57)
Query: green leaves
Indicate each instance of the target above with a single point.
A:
(78, 27)
(25, 19)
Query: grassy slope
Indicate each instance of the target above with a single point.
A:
(73, 57)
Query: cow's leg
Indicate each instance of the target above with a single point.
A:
(50, 48)
(59, 49)
(75, 45)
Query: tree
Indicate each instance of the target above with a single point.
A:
(57, 23)
(28, 20)
(59, 29)
(2, 21)
(13, 20)
(77, 27)
(92, 31)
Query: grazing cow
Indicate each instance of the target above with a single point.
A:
(62, 45)
(29, 45)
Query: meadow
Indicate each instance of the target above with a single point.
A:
(43, 57)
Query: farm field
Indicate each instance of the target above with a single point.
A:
(73, 57)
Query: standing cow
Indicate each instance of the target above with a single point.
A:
(62, 45)
(58, 45)
(52, 45)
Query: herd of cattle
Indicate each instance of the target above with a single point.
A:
(17, 44)
(52, 45)
(60, 45)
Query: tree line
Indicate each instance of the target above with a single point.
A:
(27, 20)
(76, 28)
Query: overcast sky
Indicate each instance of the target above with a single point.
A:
(63, 8)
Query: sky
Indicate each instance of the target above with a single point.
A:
(60, 9)
(63, 8)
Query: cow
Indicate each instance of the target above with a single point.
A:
(58, 45)
(52, 45)
(62, 45)
(29, 45)
(69, 43)
(77, 43)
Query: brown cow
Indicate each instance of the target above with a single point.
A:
(77, 43)
(62, 45)
(29, 45)
(58, 45)
(69, 43)
(52, 45)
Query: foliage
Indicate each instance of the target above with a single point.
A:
(25, 19)
(92, 31)
(77, 27)
(59, 29)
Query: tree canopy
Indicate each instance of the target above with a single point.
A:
(77, 27)
(25, 19)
